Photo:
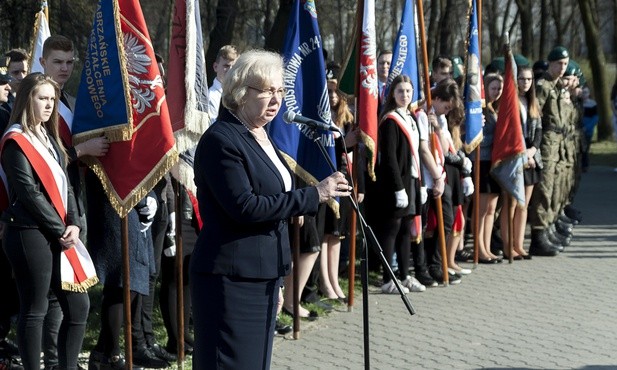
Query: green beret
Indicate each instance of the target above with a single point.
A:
(570, 71)
(521, 61)
(558, 53)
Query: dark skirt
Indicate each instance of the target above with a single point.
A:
(487, 183)
(234, 321)
(532, 176)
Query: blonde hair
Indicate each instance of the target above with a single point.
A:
(254, 68)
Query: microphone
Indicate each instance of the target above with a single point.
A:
(291, 117)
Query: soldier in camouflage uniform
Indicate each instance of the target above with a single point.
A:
(557, 112)
(568, 167)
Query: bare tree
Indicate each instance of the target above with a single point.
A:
(525, 8)
(597, 61)
(223, 32)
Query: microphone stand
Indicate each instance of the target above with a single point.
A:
(364, 266)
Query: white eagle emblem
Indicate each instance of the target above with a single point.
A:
(138, 63)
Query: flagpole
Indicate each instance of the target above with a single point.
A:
(126, 284)
(179, 270)
(476, 165)
(351, 269)
(427, 88)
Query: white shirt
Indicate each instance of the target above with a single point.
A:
(214, 99)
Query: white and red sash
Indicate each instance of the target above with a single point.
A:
(76, 268)
(65, 124)
(400, 121)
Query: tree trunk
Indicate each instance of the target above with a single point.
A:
(276, 37)
(526, 13)
(223, 31)
(543, 29)
(447, 24)
(431, 42)
(597, 62)
(556, 11)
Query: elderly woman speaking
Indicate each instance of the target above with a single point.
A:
(245, 193)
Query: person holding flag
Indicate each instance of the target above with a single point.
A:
(245, 193)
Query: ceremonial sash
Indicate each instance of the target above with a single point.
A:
(77, 271)
(414, 152)
(65, 124)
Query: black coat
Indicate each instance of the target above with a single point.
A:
(393, 172)
(29, 205)
(243, 205)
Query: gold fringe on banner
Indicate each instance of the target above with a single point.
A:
(310, 180)
(371, 147)
(124, 206)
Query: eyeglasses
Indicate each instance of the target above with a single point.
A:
(269, 93)
(525, 78)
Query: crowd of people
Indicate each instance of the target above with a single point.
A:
(239, 280)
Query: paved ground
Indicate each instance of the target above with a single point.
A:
(550, 313)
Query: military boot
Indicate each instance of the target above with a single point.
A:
(561, 241)
(540, 245)
(564, 228)
(564, 218)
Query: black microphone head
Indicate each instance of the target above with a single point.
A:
(289, 116)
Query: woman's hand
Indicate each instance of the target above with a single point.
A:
(351, 139)
(333, 186)
(96, 147)
(70, 237)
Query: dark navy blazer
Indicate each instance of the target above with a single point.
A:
(243, 205)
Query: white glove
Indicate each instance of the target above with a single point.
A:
(423, 194)
(170, 251)
(144, 226)
(150, 209)
(468, 187)
(171, 229)
(402, 200)
(467, 165)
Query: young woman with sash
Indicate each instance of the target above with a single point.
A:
(41, 236)
(396, 198)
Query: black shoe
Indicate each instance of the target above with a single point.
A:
(563, 228)
(162, 353)
(282, 329)
(541, 246)
(313, 315)
(327, 307)
(98, 361)
(463, 255)
(425, 279)
(437, 274)
(558, 239)
(142, 356)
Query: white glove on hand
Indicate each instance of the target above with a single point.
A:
(170, 251)
(467, 165)
(171, 229)
(468, 187)
(402, 200)
(144, 226)
(150, 209)
(423, 194)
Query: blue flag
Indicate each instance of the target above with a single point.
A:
(306, 94)
(473, 93)
(104, 97)
(405, 54)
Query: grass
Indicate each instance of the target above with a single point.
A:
(603, 153)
